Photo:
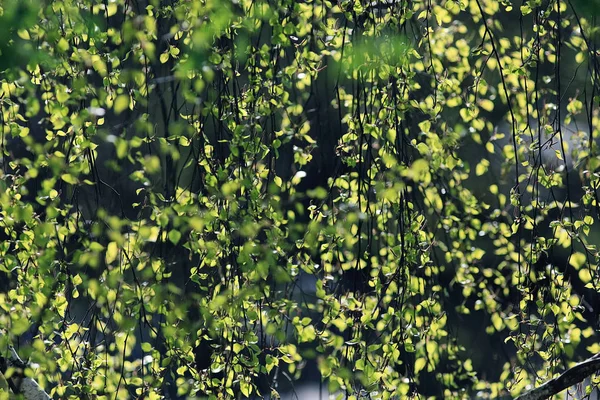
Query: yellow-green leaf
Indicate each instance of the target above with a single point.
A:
(121, 103)
(111, 252)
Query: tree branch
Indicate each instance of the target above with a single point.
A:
(18, 382)
(565, 380)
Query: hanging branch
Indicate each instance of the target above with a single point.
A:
(567, 379)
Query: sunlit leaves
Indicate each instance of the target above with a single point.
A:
(296, 183)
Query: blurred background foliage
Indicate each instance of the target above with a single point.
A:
(209, 199)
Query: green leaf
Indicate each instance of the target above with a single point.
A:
(70, 179)
(420, 364)
(121, 103)
(19, 326)
(245, 388)
(577, 260)
(174, 236)
(112, 251)
(62, 45)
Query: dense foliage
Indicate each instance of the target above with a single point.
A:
(203, 198)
